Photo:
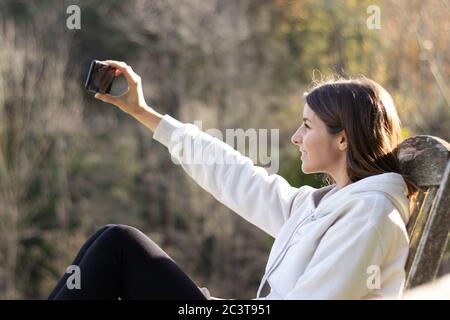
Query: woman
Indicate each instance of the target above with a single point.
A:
(343, 241)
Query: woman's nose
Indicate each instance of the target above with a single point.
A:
(297, 137)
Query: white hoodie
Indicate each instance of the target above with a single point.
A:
(353, 245)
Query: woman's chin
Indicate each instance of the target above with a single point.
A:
(305, 168)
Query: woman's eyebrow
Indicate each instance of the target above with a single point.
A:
(306, 119)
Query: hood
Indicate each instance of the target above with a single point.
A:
(391, 184)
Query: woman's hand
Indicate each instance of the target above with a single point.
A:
(131, 101)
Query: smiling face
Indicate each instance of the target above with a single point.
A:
(320, 150)
(351, 131)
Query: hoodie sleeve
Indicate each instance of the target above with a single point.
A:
(351, 250)
(264, 200)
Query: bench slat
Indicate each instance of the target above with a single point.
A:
(434, 239)
(417, 222)
(418, 205)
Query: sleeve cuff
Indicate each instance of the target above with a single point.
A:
(165, 128)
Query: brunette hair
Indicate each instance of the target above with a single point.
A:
(367, 114)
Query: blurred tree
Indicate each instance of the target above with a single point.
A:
(39, 113)
(69, 163)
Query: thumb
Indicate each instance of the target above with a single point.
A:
(107, 98)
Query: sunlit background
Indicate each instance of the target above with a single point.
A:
(70, 163)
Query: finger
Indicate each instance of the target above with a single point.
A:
(120, 66)
(130, 75)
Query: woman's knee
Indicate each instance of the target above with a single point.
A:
(121, 231)
(125, 236)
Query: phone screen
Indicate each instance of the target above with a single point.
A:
(100, 77)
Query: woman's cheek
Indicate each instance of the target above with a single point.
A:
(306, 142)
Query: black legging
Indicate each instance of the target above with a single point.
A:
(119, 261)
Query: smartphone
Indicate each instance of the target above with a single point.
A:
(100, 77)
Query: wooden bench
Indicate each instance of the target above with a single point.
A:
(426, 160)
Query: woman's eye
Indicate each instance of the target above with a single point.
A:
(306, 126)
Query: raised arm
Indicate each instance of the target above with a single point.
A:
(262, 199)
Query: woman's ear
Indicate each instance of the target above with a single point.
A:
(342, 141)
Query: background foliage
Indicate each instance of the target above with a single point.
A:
(69, 164)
